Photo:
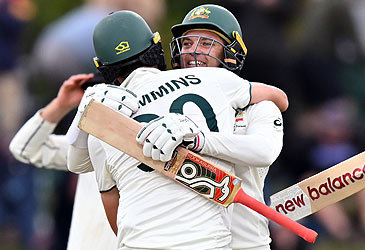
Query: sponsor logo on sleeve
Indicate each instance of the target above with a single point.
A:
(278, 124)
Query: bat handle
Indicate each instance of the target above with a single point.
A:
(302, 231)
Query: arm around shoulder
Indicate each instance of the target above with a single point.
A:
(261, 92)
(257, 143)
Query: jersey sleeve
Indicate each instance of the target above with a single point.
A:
(35, 144)
(78, 160)
(104, 179)
(100, 150)
(236, 89)
(258, 147)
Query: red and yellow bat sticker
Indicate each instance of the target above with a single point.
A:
(207, 180)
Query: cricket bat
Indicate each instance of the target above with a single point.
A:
(186, 167)
(325, 188)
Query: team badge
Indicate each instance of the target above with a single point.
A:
(122, 47)
(200, 12)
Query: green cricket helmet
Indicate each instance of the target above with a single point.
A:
(123, 41)
(218, 20)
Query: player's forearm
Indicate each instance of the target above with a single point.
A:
(31, 136)
(78, 160)
(34, 143)
(257, 140)
(111, 202)
(258, 150)
(261, 92)
(55, 111)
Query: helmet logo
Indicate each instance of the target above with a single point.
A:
(122, 47)
(200, 12)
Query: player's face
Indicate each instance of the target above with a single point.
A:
(198, 45)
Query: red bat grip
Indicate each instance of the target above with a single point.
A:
(304, 232)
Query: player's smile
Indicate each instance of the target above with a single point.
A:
(195, 63)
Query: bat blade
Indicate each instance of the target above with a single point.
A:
(186, 167)
(325, 188)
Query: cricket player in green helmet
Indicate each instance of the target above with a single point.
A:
(195, 103)
(224, 35)
(120, 54)
(210, 36)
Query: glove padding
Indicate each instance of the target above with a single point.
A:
(120, 99)
(162, 135)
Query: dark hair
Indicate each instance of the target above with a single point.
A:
(154, 55)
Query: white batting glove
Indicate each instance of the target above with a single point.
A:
(120, 99)
(162, 135)
(117, 98)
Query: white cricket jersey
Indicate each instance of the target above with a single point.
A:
(263, 122)
(154, 211)
(35, 144)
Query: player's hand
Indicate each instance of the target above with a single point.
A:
(162, 135)
(71, 93)
(115, 97)
(118, 98)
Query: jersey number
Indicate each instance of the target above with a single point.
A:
(177, 107)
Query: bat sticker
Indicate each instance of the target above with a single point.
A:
(197, 175)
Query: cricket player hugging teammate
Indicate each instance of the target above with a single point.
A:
(141, 204)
